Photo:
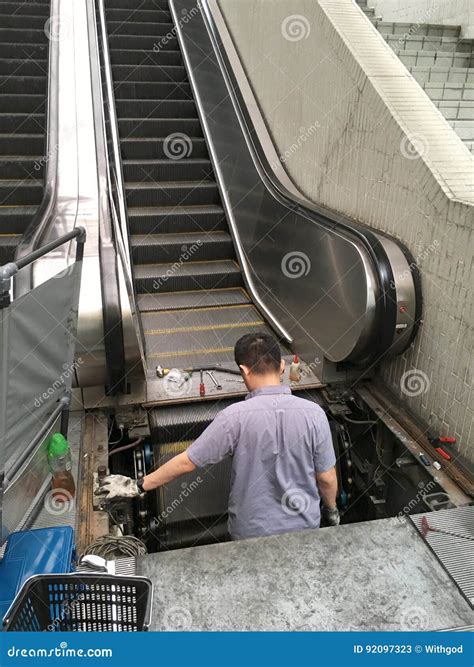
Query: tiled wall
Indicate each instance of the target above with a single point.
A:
(382, 154)
(450, 12)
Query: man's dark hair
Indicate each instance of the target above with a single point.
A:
(260, 352)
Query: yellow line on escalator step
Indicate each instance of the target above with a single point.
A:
(207, 327)
(183, 353)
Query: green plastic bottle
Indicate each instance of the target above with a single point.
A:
(59, 459)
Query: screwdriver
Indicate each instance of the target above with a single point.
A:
(202, 387)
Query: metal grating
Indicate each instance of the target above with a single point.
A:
(454, 547)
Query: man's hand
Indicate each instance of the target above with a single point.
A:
(330, 516)
(118, 486)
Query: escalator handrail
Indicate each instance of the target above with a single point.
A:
(114, 182)
(386, 303)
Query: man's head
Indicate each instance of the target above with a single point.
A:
(259, 358)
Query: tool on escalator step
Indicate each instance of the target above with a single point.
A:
(216, 384)
(295, 369)
(442, 451)
(59, 459)
(424, 459)
(161, 372)
(202, 386)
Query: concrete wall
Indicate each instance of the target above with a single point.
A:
(450, 12)
(356, 133)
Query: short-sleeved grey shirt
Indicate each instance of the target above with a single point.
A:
(277, 442)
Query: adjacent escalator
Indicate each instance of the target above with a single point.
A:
(24, 48)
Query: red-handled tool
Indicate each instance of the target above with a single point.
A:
(202, 386)
(442, 452)
(447, 440)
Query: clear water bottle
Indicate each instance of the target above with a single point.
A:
(59, 459)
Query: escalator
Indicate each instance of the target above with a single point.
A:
(24, 48)
(190, 291)
(198, 270)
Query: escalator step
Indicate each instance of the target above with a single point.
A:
(197, 347)
(153, 43)
(22, 122)
(159, 127)
(193, 321)
(25, 9)
(18, 21)
(35, 85)
(120, 56)
(170, 423)
(167, 170)
(155, 109)
(133, 27)
(189, 276)
(23, 103)
(173, 147)
(176, 219)
(26, 68)
(8, 244)
(21, 144)
(21, 167)
(146, 90)
(172, 194)
(151, 73)
(16, 219)
(200, 246)
(192, 299)
(132, 4)
(31, 51)
(26, 193)
(142, 15)
(21, 35)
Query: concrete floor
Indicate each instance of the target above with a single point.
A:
(376, 575)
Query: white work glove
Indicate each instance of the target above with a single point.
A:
(330, 516)
(118, 486)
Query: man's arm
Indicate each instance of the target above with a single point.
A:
(327, 485)
(172, 469)
(212, 446)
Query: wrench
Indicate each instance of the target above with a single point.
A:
(216, 384)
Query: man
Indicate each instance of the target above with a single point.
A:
(281, 447)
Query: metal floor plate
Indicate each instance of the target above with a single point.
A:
(455, 552)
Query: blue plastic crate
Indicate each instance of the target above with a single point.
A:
(30, 552)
